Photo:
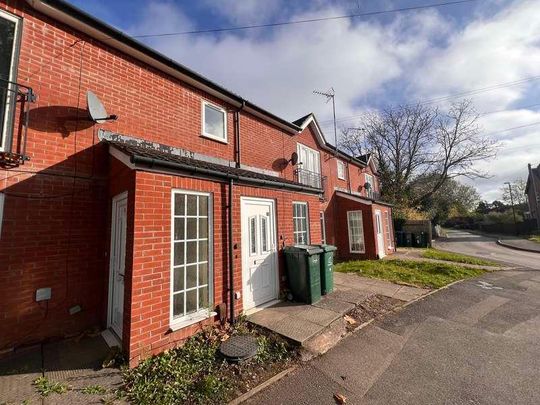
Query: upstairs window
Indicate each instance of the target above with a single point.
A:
(340, 170)
(214, 122)
(309, 167)
(370, 189)
(301, 224)
(9, 36)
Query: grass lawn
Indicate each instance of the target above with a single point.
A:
(535, 238)
(456, 257)
(421, 274)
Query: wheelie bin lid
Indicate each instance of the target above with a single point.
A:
(328, 248)
(306, 249)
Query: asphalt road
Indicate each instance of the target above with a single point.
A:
(483, 246)
(476, 342)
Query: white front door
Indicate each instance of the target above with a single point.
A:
(380, 235)
(117, 263)
(259, 252)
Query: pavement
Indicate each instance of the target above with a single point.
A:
(520, 244)
(302, 323)
(74, 362)
(475, 342)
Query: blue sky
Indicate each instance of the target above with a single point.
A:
(370, 62)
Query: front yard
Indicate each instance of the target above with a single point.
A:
(414, 272)
(456, 257)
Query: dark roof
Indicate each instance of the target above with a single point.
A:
(118, 35)
(364, 158)
(146, 155)
(300, 121)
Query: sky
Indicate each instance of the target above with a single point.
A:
(370, 62)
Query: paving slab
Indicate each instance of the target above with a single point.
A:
(17, 372)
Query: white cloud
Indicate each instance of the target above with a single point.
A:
(425, 51)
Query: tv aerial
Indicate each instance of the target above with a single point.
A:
(96, 109)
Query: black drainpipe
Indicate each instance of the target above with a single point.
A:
(237, 135)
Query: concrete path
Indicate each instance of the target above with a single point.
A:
(486, 247)
(76, 363)
(300, 322)
(520, 244)
(476, 342)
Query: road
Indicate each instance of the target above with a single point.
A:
(483, 246)
(476, 342)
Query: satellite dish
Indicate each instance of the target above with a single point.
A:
(294, 158)
(96, 110)
(367, 186)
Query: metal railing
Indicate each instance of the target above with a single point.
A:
(11, 96)
(308, 178)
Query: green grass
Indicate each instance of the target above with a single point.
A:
(415, 272)
(45, 387)
(456, 257)
(94, 390)
(535, 238)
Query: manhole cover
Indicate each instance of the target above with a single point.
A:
(239, 347)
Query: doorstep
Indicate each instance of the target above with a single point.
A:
(319, 326)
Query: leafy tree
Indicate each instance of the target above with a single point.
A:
(518, 192)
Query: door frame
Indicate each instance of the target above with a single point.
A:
(381, 252)
(115, 200)
(245, 245)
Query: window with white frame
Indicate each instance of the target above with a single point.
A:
(370, 188)
(341, 170)
(191, 276)
(356, 232)
(214, 122)
(301, 223)
(9, 37)
(323, 228)
(387, 228)
(309, 169)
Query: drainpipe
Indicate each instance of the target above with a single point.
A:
(237, 135)
(231, 252)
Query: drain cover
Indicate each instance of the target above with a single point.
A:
(239, 347)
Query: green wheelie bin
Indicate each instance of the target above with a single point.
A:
(327, 268)
(304, 272)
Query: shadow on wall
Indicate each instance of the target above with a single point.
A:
(53, 231)
(59, 119)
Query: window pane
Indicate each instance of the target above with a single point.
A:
(191, 276)
(191, 228)
(191, 205)
(178, 253)
(191, 301)
(179, 204)
(203, 205)
(178, 228)
(203, 297)
(178, 279)
(178, 305)
(264, 235)
(7, 35)
(191, 254)
(203, 274)
(203, 228)
(214, 121)
(252, 235)
(203, 251)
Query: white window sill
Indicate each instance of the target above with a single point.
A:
(214, 138)
(182, 323)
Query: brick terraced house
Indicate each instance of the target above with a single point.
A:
(156, 223)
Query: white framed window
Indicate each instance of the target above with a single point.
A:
(214, 122)
(341, 170)
(191, 257)
(387, 229)
(301, 223)
(323, 228)
(371, 182)
(9, 49)
(309, 170)
(356, 232)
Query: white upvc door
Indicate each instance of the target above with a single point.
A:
(380, 235)
(117, 264)
(259, 252)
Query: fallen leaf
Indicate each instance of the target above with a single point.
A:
(349, 319)
(340, 398)
(224, 337)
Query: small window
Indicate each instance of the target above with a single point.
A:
(191, 256)
(341, 170)
(9, 38)
(323, 228)
(370, 190)
(301, 224)
(356, 232)
(214, 122)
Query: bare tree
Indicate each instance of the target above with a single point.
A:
(518, 192)
(419, 142)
